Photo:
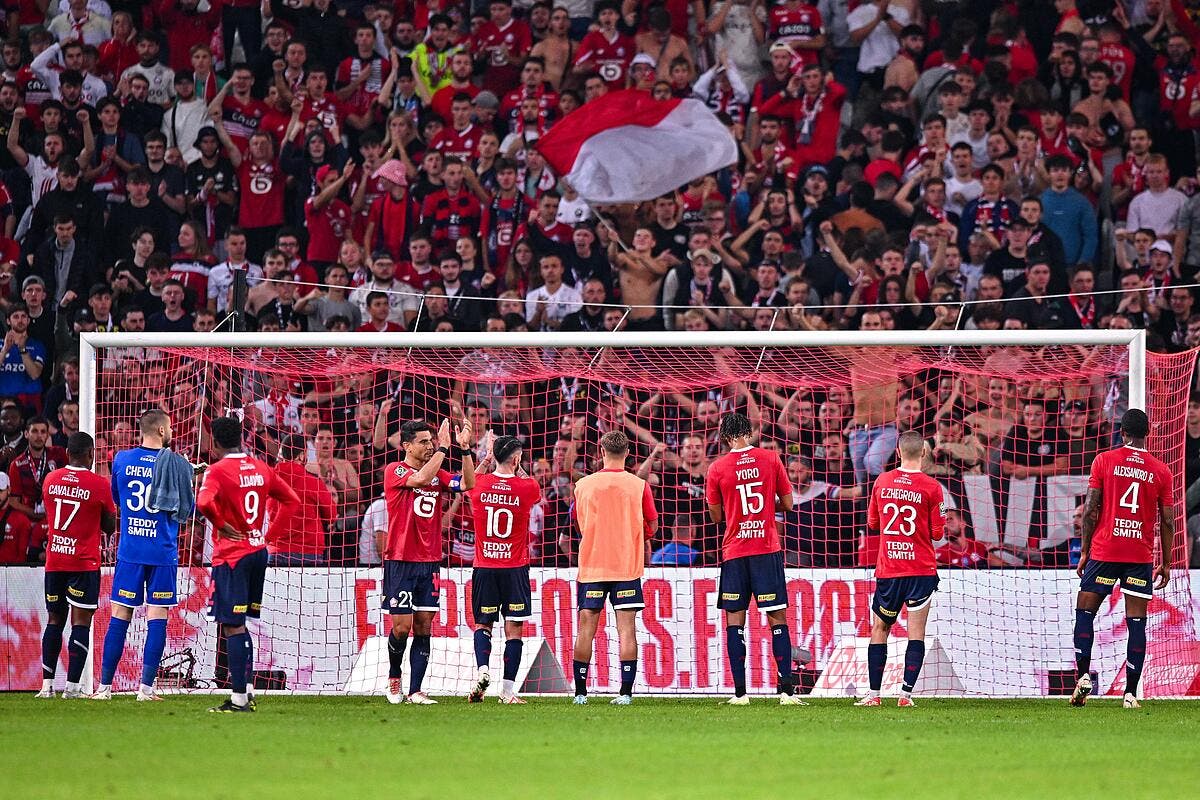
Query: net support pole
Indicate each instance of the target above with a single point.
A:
(1137, 370)
(87, 386)
(237, 320)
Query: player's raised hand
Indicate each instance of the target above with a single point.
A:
(463, 434)
(443, 438)
(1162, 576)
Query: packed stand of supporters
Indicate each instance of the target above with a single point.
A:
(368, 166)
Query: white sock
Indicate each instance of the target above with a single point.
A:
(47, 684)
(906, 694)
(239, 699)
(72, 687)
(509, 688)
(484, 671)
(104, 686)
(144, 689)
(872, 693)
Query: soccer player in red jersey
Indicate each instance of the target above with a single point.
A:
(412, 490)
(907, 513)
(744, 489)
(79, 505)
(1128, 492)
(233, 497)
(500, 505)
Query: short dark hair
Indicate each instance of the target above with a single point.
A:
(227, 432)
(615, 443)
(80, 444)
(410, 429)
(735, 425)
(153, 417)
(1135, 424)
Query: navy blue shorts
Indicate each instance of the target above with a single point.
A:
(80, 589)
(410, 586)
(238, 589)
(760, 577)
(893, 594)
(134, 584)
(500, 590)
(624, 595)
(1102, 577)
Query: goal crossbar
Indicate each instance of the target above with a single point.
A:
(1135, 340)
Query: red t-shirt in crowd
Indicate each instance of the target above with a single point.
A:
(236, 490)
(241, 120)
(261, 195)
(462, 144)
(303, 530)
(612, 55)
(906, 508)
(500, 507)
(414, 515)
(745, 483)
(75, 499)
(800, 24)
(15, 532)
(327, 228)
(1132, 485)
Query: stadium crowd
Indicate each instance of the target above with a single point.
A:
(904, 164)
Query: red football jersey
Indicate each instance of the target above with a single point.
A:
(745, 484)
(1120, 59)
(235, 491)
(462, 144)
(505, 48)
(75, 498)
(500, 507)
(612, 56)
(414, 515)
(801, 24)
(242, 119)
(906, 508)
(1132, 484)
(327, 228)
(261, 194)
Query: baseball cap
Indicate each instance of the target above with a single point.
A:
(781, 47)
(207, 130)
(32, 280)
(99, 289)
(381, 255)
(324, 173)
(703, 252)
(643, 58)
(819, 169)
(486, 99)
(1162, 246)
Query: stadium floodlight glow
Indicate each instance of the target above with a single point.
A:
(1004, 631)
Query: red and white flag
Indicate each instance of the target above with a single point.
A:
(627, 147)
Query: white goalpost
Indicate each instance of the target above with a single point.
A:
(324, 633)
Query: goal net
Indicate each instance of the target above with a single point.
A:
(1013, 420)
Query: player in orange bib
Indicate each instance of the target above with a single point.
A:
(616, 516)
(1128, 492)
(907, 513)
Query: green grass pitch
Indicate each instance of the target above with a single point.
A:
(299, 747)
